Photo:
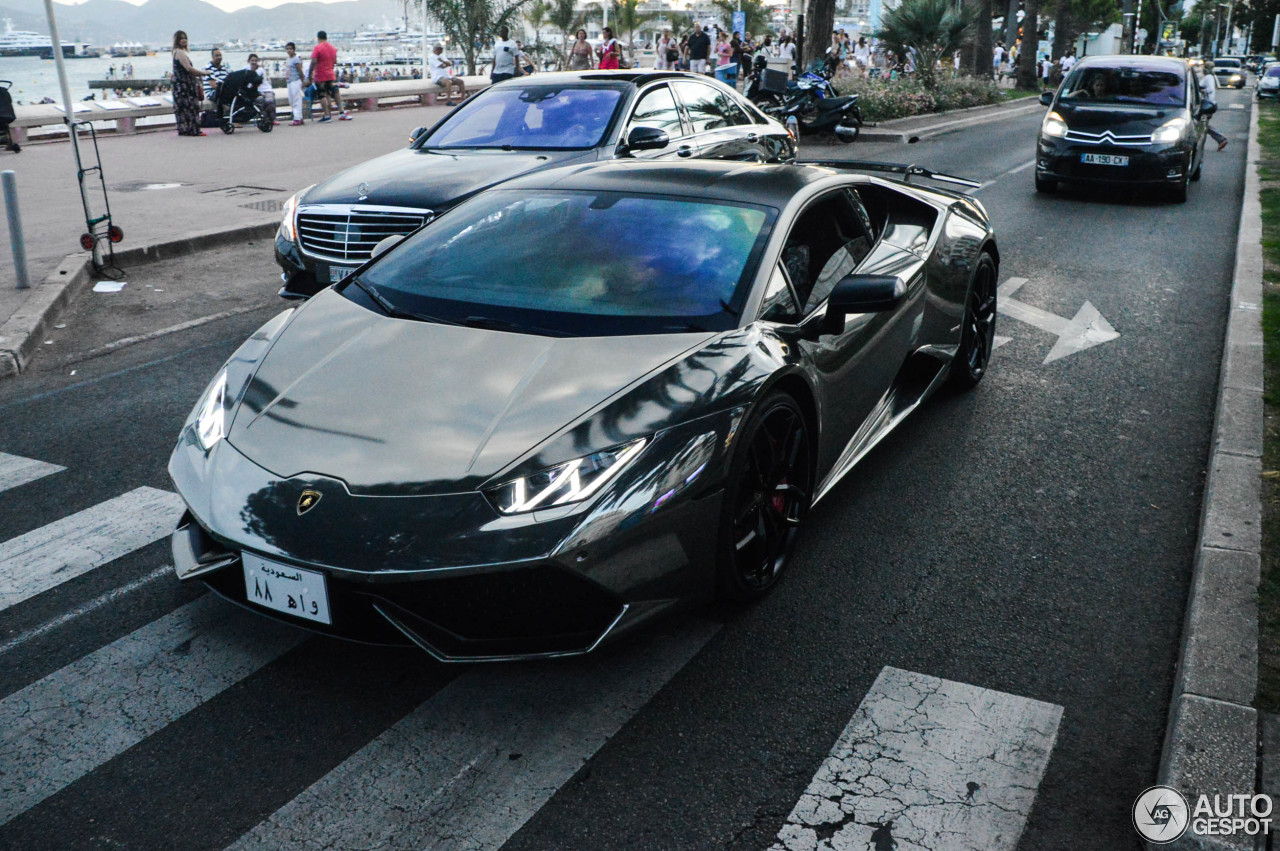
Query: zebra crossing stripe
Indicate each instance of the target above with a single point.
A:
(925, 764)
(60, 728)
(16, 470)
(471, 765)
(46, 557)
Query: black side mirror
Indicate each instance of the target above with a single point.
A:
(416, 134)
(1207, 109)
(866, 294)
(1046, 98)
(646, 139)
(386, 245)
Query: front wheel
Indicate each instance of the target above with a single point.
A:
(265, 124)
(228, 128)
(767, 495)
(978, 332)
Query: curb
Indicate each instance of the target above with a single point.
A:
(1211, 740)
(20, 335)
(885, 133)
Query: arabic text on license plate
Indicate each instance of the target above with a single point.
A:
(337, 273)
(285, 588)
(1104, 159)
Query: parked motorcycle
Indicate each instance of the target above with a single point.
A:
(818, 111)
(766, 88)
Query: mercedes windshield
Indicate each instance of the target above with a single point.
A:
(530, 117)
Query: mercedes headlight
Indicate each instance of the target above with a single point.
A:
(288, 222)
(1054, 127)
(1170, 131)
(211, 416)
(572, 481)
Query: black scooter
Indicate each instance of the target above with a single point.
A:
(767, 89)
(816, 113)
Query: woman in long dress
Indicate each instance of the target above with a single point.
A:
(187, 94)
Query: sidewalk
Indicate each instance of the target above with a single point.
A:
(918, 127)
(165, 189)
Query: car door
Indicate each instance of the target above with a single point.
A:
(1199, 123)
(855, 365)
(657, 107)
(722, 129)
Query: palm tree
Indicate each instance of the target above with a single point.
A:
(627, 19)
(934, 28)
(563, 15)
(1028, 64)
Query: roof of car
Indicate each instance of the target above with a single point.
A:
(637, 76)
(749, 183)
(1132, 61)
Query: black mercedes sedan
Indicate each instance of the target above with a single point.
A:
(514, 128)
(1124, 119)
(577, 401)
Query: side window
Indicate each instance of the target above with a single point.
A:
(779, 303)
(733, 113)
(657, 109)
(702, 104)
(827, 242)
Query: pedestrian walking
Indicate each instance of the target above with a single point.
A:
(215, 73)
(664, 56)
(610, 51)
(294, 76)
(324, 57)
(439, 67)
(582, 56)
(699, 48)
(506, 54)
(186, 88)
(1209, 88)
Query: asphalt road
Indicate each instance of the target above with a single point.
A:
(1033, 537)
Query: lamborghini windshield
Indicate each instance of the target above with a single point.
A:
(538, 117)
(577, 263)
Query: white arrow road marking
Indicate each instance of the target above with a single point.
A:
(1085, 330)
(925, 765)
(16, 470)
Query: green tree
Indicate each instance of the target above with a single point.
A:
(1189, 27)
(469, 22)
(1073, 17)
(627, 18)
(819, 21)
(935, 28)
(564, 16)
(757, 15)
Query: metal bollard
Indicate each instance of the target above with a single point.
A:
(10, 182)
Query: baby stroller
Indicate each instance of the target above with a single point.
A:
(240, 102)
(7, 115)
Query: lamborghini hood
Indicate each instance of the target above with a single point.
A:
(398, 407)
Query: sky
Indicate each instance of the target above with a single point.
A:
(225, 5)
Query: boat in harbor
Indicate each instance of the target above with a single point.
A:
(24, 43)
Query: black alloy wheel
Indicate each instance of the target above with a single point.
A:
(769, 489)
(978, 334)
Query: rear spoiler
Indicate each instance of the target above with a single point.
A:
(907, 171)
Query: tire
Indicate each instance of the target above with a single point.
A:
(767, 494)
(1046, 185)
(265, 125)
(228, 127)
(15, 147)
(978, 329)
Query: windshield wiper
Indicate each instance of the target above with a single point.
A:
(393, 311)
(494, 324)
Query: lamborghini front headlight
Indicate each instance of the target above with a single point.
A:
(572, 481)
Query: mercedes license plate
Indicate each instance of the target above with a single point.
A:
(1104, 159)
(337, 273)
(285, 588)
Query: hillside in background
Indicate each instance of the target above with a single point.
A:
(105, 22)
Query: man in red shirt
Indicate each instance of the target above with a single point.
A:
(324, 56)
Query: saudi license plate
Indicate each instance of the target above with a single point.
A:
(285, 588)
(337, 273)
(1104, 159)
